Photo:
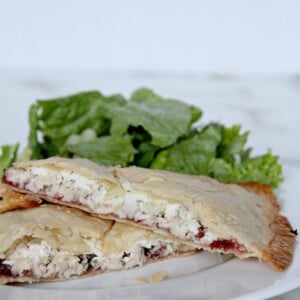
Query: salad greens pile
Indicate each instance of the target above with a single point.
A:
(148, 131)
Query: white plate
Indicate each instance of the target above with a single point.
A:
(204, 276)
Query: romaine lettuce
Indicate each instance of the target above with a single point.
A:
(219, 152)
(148, 131)
(107, 150)
(165, 120)
(8, 155)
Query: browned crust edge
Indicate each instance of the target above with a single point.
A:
(12, 200)
(279, 254)
(262, 189)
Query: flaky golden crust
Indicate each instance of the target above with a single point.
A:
(263, 189)
(279, 254)
(10, 200)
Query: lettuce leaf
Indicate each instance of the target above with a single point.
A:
(106, 150)
(264, 169)
(33, 142)
(192, 155)
(8, 155)
(57, 119)
(233, 143)
(219, 152)
(165, 120)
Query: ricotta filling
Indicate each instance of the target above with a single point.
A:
(37, 259)
(67, 186)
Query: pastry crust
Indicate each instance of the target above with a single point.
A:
(10, 200)
(280, 250)
(264, 190)
(196, 210)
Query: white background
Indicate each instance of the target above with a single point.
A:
(169, 35)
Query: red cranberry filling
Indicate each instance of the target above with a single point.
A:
(5, 269)
(154, 254)
(201, 231)
(6, 181)
(88, 258)
(33, 203)
(227, 245)
(16, 185)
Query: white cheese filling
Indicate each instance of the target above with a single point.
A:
(38, 259)
(71, 187)
(44, 261)
(139, 255)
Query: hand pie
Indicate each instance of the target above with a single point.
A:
(195, 210)
(52, 242)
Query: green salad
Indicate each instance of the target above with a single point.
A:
(146, 130)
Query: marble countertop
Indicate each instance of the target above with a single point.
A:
(268, 106)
